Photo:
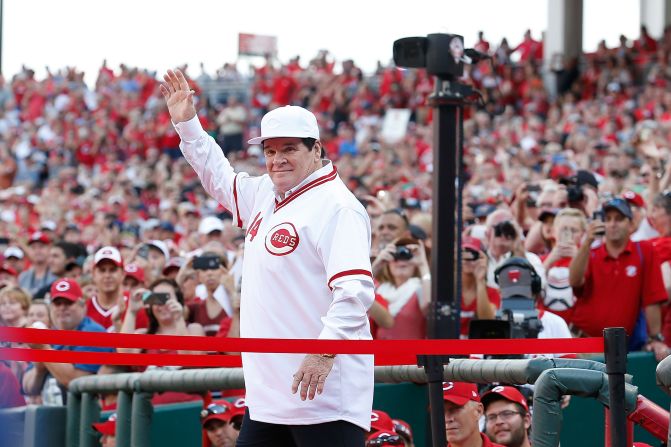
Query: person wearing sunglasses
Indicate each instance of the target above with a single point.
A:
(507, 417)
(216, 420)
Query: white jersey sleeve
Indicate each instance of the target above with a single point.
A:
(235, 191)
(344, 248)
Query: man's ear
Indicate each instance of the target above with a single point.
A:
(318, 150)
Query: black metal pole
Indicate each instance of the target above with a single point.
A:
(2, 11)
(444, 318)
(615, 350)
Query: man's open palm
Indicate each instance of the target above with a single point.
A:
(178, 96)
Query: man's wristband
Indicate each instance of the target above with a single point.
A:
(656, 337)
(328, 356)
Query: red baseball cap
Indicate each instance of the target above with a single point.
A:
(134, 271)
(384, 438)
(108, 427)
(634, 199)
(381, 421)
(459, 393)
(472, 243)
(238, 407)
(108, 254)
(7, 269)
(66, 288)
(38, 236)
(507, 392)
(220, 410)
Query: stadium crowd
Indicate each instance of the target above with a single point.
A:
(105, 227)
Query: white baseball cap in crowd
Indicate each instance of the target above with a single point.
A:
(108, 253)
(13, 252)
(162, 246)
(287, 121)
(209, 224)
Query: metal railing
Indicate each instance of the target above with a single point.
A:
(134, 391)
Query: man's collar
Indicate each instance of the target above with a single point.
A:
(326, 169)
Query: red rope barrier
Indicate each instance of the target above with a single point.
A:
(387, 352)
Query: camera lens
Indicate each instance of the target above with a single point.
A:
(402, 253)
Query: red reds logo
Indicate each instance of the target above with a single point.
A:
(497, 389)
(63, 286)
(374, 417)
(514, 275)
(131, 268)
(448, 386)
(282, 239)
(240, 403)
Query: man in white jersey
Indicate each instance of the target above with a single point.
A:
(306, 274)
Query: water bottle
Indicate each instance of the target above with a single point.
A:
(51, 394)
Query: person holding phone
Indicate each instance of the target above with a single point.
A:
(214, 306)
(164, 305)
(306, 274)
(616, 279)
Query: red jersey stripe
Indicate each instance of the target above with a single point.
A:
(316, 182)
(235, 198)
(348, 273)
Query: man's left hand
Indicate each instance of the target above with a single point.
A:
(659, 348)
(311, 376)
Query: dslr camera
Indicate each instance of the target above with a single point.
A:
(402, 253)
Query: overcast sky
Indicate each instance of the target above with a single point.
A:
(162, 34)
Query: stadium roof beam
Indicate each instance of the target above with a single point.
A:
(563, 37)
(655, 15)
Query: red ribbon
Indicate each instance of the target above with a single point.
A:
(387, 352)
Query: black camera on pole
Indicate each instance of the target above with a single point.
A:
(518, 318)
(441, 54)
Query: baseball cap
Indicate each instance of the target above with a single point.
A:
(547, 212)
(187, 208)
(382, 438)
(634, 199)
(507, 392)
(108, 253)
(108, 427)
(49, 225)
(161, 246)
(209, 224)
(7, 269)
(134, 271)
(583, 177)
(166, 226)
(484, 210)
(220, 410)
(66, 288)
(381, 421)
(238, 407)
(459, 393)
(13, 252)
(403, 428)
(38, 236)
(471, 243)
(620, 205)
(287, 121)
(173, 263)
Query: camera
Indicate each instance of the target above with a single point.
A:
(472, 255)
(206, 262)
(598, 215)
(441, 54)
(152, 298)
(505, 229)
(518, 316)
(402, 253)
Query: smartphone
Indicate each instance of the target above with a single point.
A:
(4, 241)
(598, 215)
(143, 252)
(565, 236)
(152, 298)
(206, 262)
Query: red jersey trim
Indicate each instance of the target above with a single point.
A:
(316, 182)
(235, 198)
(348, 273)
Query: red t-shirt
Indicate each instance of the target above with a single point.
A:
(409, 323)
(616, 289)
(468, 310)
(373, 325)
(211, 326)
(103, 316)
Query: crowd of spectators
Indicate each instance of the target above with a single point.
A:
(105, 227)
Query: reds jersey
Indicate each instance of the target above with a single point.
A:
(306, 274)
(103, 316)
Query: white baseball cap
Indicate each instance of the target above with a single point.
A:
(108, 253)
(209, 224)
(13, 252)
(287, 121)
(162, 246)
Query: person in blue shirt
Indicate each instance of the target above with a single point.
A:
(68, 312)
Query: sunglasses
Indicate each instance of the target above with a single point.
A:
(383, 440)
(213, 409)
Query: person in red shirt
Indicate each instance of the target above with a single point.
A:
(106, 307)
(507, 416)
(616, 279)
(463, 411)
(477, 300)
